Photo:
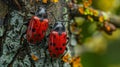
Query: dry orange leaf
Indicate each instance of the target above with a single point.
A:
(35, 58)
(77, 65)
(108, 28)
(91, 10)
(66, 58)
(75, 59)
(90, 1)
(76, 62)
(44, 1)
(81, 10)
(86, 4)
(55, 1)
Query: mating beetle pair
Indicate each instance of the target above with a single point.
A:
(37, 29)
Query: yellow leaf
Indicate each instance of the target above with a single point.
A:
(90, 18)
(101, 19)
(95, 13)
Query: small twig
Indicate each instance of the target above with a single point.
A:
(18, 4)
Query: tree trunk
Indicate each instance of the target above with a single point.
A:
(14, 49)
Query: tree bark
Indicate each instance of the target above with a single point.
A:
(17, 54)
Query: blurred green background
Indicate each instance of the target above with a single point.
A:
(99, 49)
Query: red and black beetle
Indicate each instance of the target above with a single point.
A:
(57, 40)
(38, 26)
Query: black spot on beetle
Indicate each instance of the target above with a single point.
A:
(38, 35)
(33, 30)
(56, 49)
(51, 44)
(60, 48)
(54, 44)
(63, 44)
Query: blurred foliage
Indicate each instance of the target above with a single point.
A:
(117, 10)
(88, 28)
(101, 49)
(111, 58)
(107, 4)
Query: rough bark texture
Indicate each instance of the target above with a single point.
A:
(14, 49)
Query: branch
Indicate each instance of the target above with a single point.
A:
(106, 22)
(115, 20)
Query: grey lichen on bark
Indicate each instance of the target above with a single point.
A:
(16, 54)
